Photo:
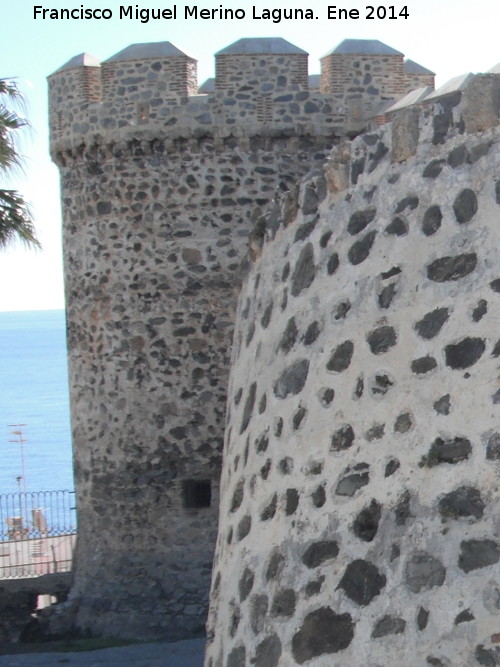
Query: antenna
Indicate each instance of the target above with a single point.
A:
(18, 433)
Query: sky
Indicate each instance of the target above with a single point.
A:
(450, 37)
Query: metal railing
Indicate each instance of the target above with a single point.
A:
(37, 533)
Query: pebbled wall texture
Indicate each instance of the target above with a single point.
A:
(159, 193)
(359, 498)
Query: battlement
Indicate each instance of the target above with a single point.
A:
(261, 86)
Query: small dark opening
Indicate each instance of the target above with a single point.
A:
(197, 493)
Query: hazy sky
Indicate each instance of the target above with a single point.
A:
(450, 37)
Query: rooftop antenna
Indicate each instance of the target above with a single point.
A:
(18, 433)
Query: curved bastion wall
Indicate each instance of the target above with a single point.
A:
(359, 496)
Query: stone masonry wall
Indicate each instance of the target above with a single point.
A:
(359, 497)
(155, 228)
(159, 193)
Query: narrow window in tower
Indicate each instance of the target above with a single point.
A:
(197, 493)
(143, 113)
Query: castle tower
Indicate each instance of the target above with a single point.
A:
(417, 76)
(160, 188)
(362, 73)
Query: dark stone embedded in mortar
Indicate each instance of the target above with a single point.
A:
(237, 657)
(264, 471)
(333, 263)
(487, 657)
(441, 124)
(496, 350)
(305, 270)
(360, 219)
(465, 616)
(323, 242)
(285, 466)
(238, 494)
(442, 405)
(449, 268)
(268, 652)
(292, 380)
(298, 418)
(246, 583)
(394, 271)
(262, 404)
(360, 250)
(262, 443)
(465, 501)
(432, 220)
(493, 447)
(340, 358)
(357, 168)
(422, 618)
(307, 228)
(458, 156)
(395, 552)
(391, 467)
(496, 397)
(284, 603)
(319, 552)
(403, 423)
(104, 207)
(234, 620)
(423, 365)
(326, 397)
(278, 427)
(250, 334)
(388, 625)
(365, 525)
(465, 206)
(286, 272)
(318, 496)
(266, 316)
(244, 527)
(270, 510)
(353, 478)
(362, 581)
(258, 612)
(248, 409)
(431, 323)
(387, 295)
(476, 554)
(275, 565)
(465, 353)
(433, 169)
(342, 439)
(480, 311)
(410, 202)
(322, 632)
(423, 571)
(497, 192)
(378, 154)
(381, 385)
(291, 501)
(447, 451)
(289, 336)
(313, 587)
(312, 333)
(359, 388)
(397, 227)
(376, 432)
(495, 285)
(382, 339)
(342, 309)
(402, 510)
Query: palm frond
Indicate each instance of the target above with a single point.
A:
(16, 220)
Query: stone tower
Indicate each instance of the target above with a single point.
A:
(160, 188)
(161, 185)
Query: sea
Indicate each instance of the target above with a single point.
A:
(35, 434)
